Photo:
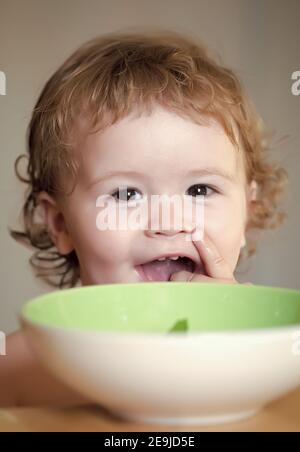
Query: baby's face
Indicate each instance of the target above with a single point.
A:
(157, 154)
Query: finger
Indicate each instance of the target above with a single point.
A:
(185, 276)
(207, 279)
(215, 265)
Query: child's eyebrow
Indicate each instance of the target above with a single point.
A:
(209, 171)
(116, 174)
(212, 171)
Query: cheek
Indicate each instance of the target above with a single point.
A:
(225, 224)
(227, 220)
(114, 247)
(109, 247)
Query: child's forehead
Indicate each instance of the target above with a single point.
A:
(160, 119)
(157, 138)
(161, 127)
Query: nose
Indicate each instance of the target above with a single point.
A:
(169, 222)
(166, 233)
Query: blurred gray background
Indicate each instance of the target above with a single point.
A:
(260, 39)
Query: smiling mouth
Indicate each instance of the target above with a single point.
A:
(158, 270)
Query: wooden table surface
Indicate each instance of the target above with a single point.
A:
(282, 415)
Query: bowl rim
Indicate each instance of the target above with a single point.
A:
(24, 320)
(186, 336)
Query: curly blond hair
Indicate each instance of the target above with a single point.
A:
(106, 79)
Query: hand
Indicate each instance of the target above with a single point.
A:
(215, 265)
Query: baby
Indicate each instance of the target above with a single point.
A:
(127, 116)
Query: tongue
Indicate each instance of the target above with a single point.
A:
(162, 270)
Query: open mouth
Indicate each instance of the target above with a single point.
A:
(162, 269)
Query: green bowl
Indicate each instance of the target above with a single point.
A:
(171, 352)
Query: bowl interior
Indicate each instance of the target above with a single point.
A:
(165, 307)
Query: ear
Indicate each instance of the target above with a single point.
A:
(55, 223)
(251, 197)
(252, 191)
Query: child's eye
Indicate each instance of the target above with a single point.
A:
(200, 190)
(124, 194)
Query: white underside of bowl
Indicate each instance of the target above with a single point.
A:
(186, 421)
(193, 379)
